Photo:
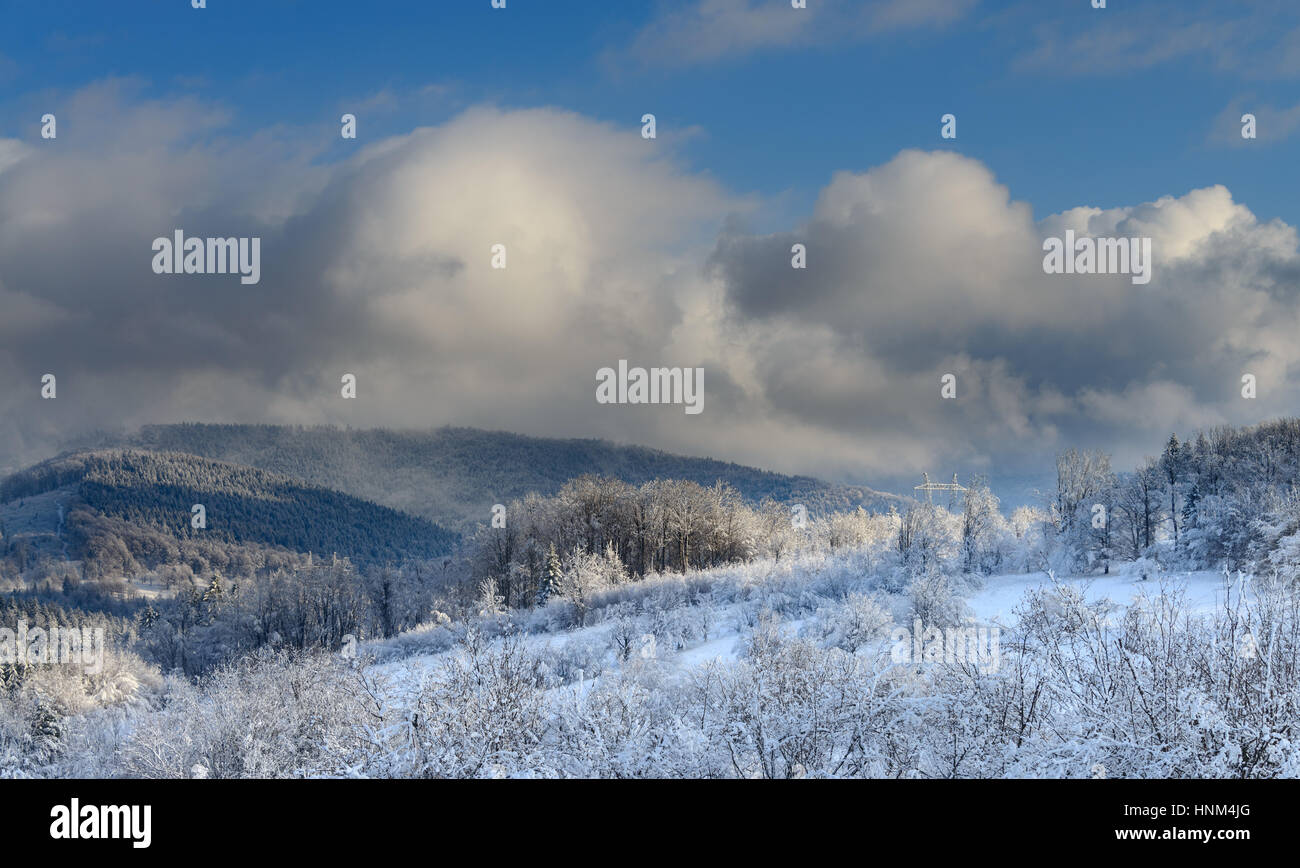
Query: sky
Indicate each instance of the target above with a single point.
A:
(774, 126)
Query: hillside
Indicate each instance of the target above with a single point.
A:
(452, 476)
(143, 501)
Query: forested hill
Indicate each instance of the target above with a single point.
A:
(140, 495)
(453, 476)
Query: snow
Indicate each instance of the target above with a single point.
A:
(996, 603)
(723, 649)
(1002, 594)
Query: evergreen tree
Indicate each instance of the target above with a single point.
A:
(552, 578)
(1171, 462)
(216, 590)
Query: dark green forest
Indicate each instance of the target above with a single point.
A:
(138, 504)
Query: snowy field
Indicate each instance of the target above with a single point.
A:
(993, 604)
(1002, 594)
(767, 669)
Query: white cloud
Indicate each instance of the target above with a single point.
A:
(380, 266)
(926, 265)
(1249, 38)
(704, 31)
(11, 151)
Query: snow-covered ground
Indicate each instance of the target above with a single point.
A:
(1002, 594)
(709, 682)
(406, 675)
(995, 603)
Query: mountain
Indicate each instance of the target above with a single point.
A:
(453, 476)
(122, 502)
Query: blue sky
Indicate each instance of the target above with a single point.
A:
(775, 119)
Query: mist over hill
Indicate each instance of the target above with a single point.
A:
(453, 476)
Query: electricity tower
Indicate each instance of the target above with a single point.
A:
(931, 487)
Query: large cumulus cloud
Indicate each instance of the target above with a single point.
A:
(380, 265)
(926, 265)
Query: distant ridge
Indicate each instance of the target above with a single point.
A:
(452, 476)
(142, 499)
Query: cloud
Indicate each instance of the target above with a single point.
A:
(392, 99)
(380, 265)
(11, 151)
(926, 266)
(705, 31)
(1272, 124)
(1255, 39)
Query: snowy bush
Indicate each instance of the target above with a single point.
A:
(791, 709)
(933, 601)
(857, 622)
(274, 714)
(574, 659)
(483, 714)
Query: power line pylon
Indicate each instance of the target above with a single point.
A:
(931, 487)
